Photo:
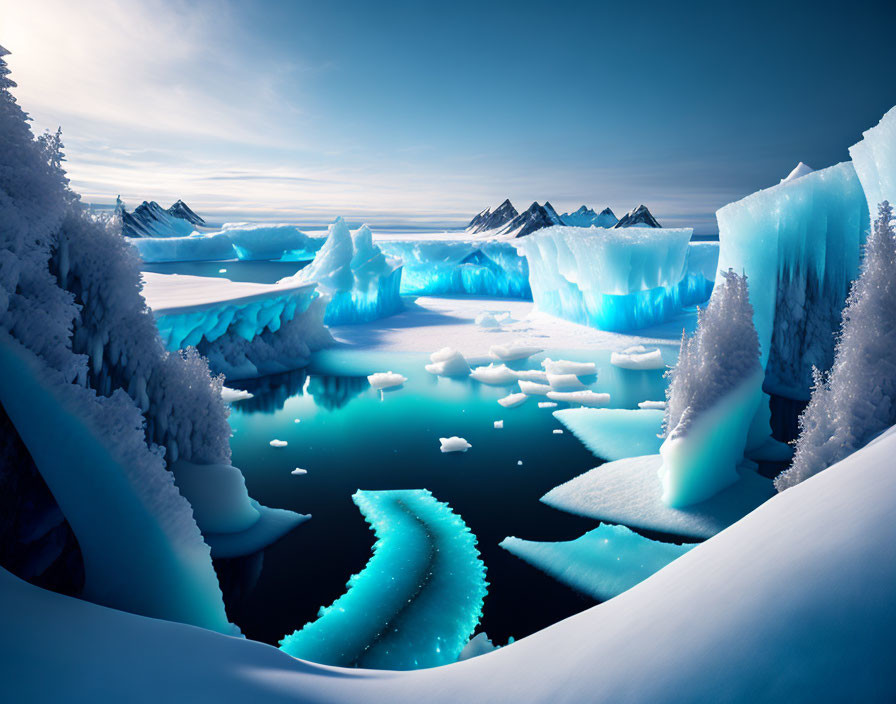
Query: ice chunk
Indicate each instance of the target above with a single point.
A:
(386, 380)
(278, 443)
(478, 645)
(563, 366)
(418, 600)
(799, 170)
(299, 471)
(454, 444)
(615, 433)
(512, 400)
(652, 405)
(603, 563)
(557, 431)
(585, 398)
(498, 375)
(499, 424)
(530, 388)
(513, 352)
(638, 357)
(565, 382)
(448, 362)
(547, 404)
(617, 279)
(232, 395)
(629, 491)
(531, 375)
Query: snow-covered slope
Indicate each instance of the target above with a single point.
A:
(792, 603)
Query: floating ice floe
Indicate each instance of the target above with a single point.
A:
(565, 382)
(652, 405)
(231, 395)
(222, 271)
(448, 362)
(278, 443)
(513, 352)
(603, 563)
(299, 471)
(638, 357)
(530, 388)
(498, 375)
(585, 398)
(386, 380)
(615, 433)
(512, 400)
(547, 404)
(454, 444)
(563, 366)
(531, 375)
(557, 431)
(499, 424)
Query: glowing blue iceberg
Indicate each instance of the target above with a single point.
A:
(799, 244)
(617, 279)
(418, 600)
(603, 563)
(362, 283)
(439, 267)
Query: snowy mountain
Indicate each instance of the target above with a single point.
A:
(150, 219)
(586, 217)
(552, 214)
(639, 217)
(490, 219)
(535, 218)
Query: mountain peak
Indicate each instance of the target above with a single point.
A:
(639, 217)
(490, 219)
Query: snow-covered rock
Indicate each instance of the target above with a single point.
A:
(799, 170)
(386, 380)
(586, 217)
(513, 400)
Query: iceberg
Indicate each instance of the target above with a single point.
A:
(448, 362)
(386, 380)
(362, 283)
(465, 267)
(617, 279)
(615, 433)
(603, 563)
(418, 600)
(454, 444)
(244, 329)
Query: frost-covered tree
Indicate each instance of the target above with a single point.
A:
(723, 352)
(856, 400)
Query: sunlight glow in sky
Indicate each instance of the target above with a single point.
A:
(417, 112)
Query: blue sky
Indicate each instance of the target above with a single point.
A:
(425, 112)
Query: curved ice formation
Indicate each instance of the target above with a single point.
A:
(362, 283)
(532, 388)
(418, 600)
(235, 241)
(874, 159)
(603, 563)
(615, 433)
(244, 329)
(616, 279)
(799, 244)
(439, 267)
(513, 352)
(513, 400)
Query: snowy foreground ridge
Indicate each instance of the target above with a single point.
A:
(745, 616)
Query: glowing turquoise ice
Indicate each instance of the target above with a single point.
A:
(615, 433)
(418, 600)
(602, 563)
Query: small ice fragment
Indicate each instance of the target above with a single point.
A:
(454, 444)
(298, 470)
(558, 431)
(656, 405)
(565, 382)
(519, 462)
(547, 404)
(386, 380)
(586, 398)
(638, 357)
(448, 362)
(512, 400)
(499, 424)
(230, 395)
(532, 389)
(531, 375)
(563, 366)
(512, 352)
(297, 420)
(222, 271)
(278, 443)
(492, 374)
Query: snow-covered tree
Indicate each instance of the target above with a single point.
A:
(856, 400)
(723, 352)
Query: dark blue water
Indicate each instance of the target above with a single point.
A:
(352, 437)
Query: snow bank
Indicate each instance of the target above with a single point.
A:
(615, 433)
(418, 600)
(603, 563)
(563, 366)
(446, 267)
(585, 398)
(360, 280)
(615, 279)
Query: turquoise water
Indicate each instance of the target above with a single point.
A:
(352, 437)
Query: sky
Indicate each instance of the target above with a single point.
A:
(426, 113)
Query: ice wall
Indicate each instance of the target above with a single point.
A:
(418, 600)
(458, 267)
(614, 279)
(874, 159)
(799, 244)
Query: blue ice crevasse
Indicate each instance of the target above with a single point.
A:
(418, 600)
